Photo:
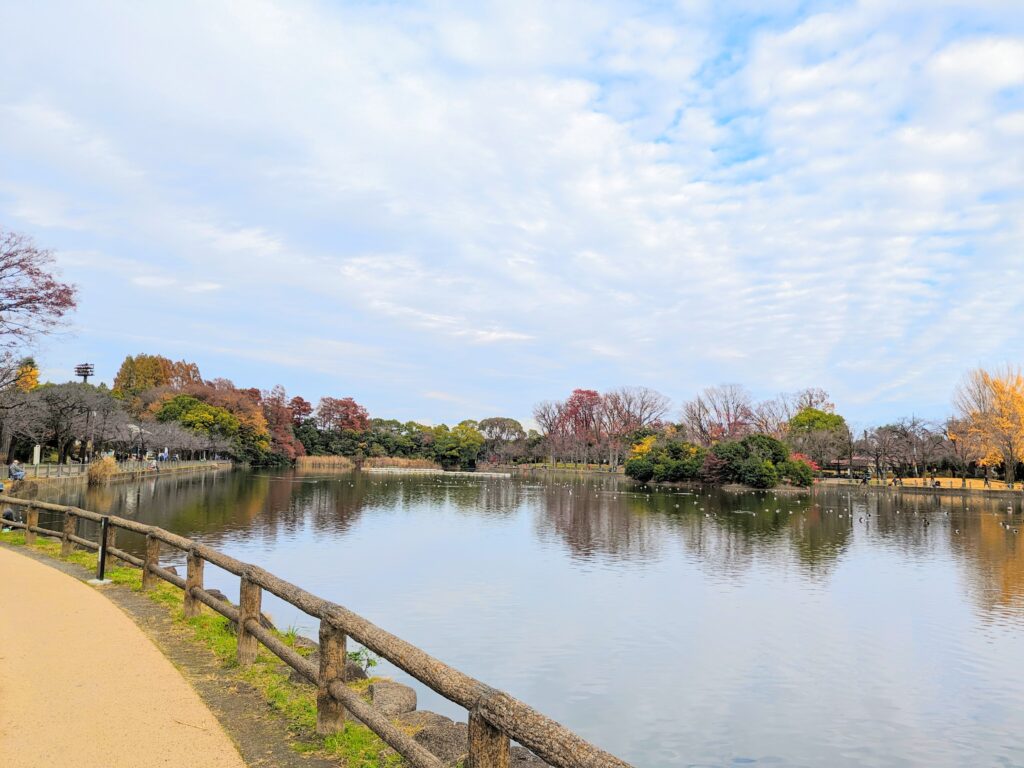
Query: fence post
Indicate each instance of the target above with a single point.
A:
(330, 713)
(101, 559)
(151, 560)
(31, 520)
(488, 747)
(250, 596)
(111, 537)
(193, 578)
(67, 546)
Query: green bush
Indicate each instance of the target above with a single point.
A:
(766, 447)
(796, 473)
(758, 473)
(639, 469)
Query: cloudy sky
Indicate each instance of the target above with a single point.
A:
(454, 210)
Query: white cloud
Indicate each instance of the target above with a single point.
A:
(577, 190)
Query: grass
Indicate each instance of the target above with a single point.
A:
(356, 745)
(317, 463)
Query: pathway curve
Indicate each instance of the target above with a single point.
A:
(82, 685)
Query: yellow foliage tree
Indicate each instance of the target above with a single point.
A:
(643, 447)
(992, 406)
(27, 376)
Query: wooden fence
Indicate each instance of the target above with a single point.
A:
(494, 716)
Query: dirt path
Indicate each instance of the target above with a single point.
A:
(82, 685)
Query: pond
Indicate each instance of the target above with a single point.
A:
(669, 626)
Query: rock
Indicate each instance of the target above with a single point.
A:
(354, 672)
(305, 642)
(448, 741)
(421, 718)
(524, 758)
(392, 698)
(218, 594)
(173, 569)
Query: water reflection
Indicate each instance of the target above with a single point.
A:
(672, 626)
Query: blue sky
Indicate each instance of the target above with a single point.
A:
(456, 210)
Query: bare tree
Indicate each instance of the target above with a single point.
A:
(626, 410)
(719, 413)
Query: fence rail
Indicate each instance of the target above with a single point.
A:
(495, 717)
(73, 470)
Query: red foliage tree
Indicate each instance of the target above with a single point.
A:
(280, 419)
(342, 413)
(32, 301)
(301, 409)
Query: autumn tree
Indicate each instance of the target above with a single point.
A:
(301, 409)
(342, 414)
(33, 302)
(992, 405)
(280, 421)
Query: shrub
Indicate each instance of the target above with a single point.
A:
(758, 473)
(639, 469)
(102, 470)
(726, 468)
(766, 447)
(796, 473)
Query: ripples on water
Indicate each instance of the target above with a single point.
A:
(671, 627)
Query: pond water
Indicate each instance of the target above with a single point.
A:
(669, 626)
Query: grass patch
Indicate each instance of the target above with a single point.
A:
(356, 745)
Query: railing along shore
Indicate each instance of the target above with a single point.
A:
(33, 471)
(495, 717)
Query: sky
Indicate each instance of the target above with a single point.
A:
(456, 210)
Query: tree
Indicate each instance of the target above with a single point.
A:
(626, 410)
(342, 413)
(58, 415)
(965, 446)
(822, 435)
(719, 413)
(27, 375)
(581, 417)
(992, 404)
(141, 372)
(500, 436)
(301, 409)
(280, 424)
(548, 415)
(32, 301)
(881, 445)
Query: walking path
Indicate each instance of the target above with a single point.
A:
(81, 685)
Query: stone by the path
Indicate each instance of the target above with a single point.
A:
(421, 718)
(392, 699)
(524, 758)
(448, 741)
